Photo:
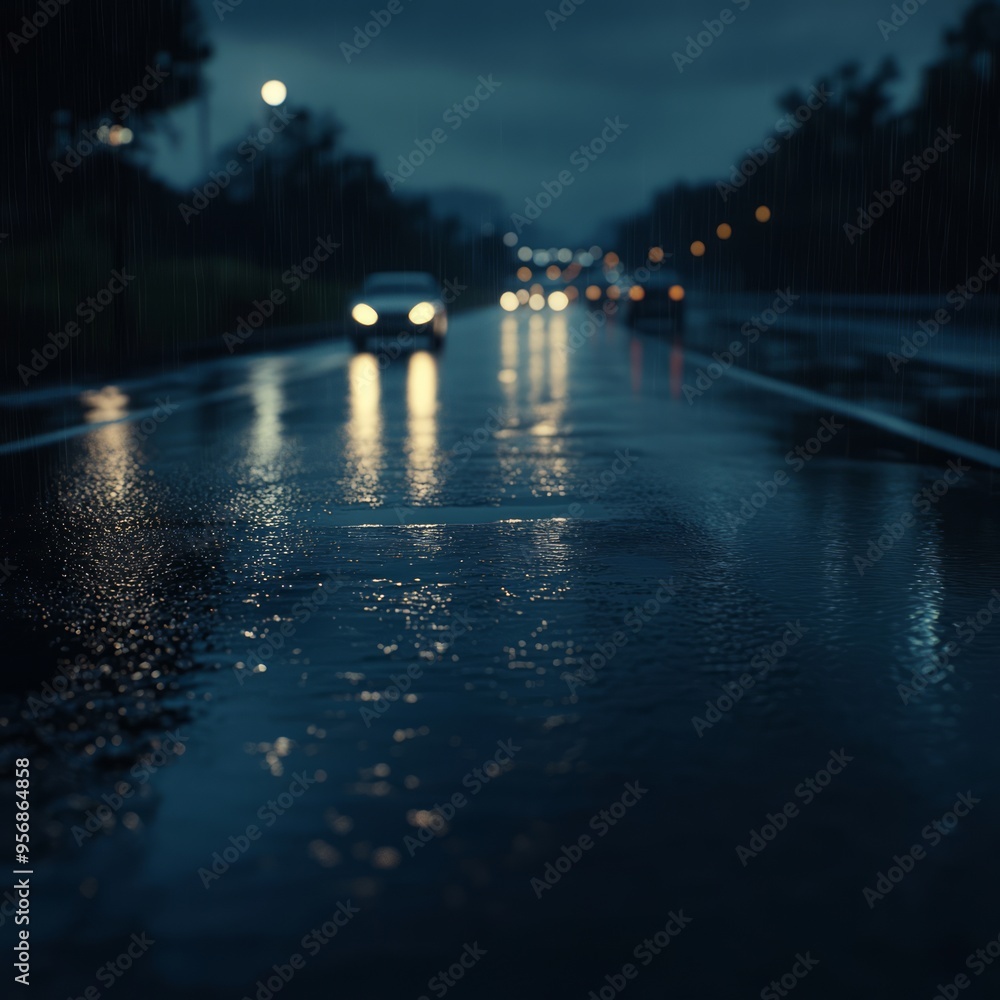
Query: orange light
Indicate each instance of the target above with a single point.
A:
(763, 214)
(593, 292)
(524, 274)
(536, 289)
(572, 292)
(724, 231)
(637, 293)
(552, 272)
(614, 292)
(697, 249)
(522, 296)
(611, 259)
(655, 254)
(676, 293)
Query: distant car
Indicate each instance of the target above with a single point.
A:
(396, 304)
(656, 304)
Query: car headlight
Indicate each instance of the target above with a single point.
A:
(364, 314)
(422, 312)
(509, 301)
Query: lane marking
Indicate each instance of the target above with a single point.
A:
(940, 440)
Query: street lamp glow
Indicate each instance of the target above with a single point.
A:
(274, 93)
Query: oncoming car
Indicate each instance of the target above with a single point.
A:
(393, 305)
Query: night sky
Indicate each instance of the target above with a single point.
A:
(557, 86)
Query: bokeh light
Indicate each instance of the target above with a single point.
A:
(274, 93)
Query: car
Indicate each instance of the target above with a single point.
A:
(396, 306)
(657, 303)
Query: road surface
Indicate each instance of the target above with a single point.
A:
(518, 661)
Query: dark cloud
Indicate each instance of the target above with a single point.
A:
(607, 59)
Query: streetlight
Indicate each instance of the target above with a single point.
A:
(274, 93)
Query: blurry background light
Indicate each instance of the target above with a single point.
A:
(274, 93)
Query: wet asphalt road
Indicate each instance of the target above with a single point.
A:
(517, 653)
